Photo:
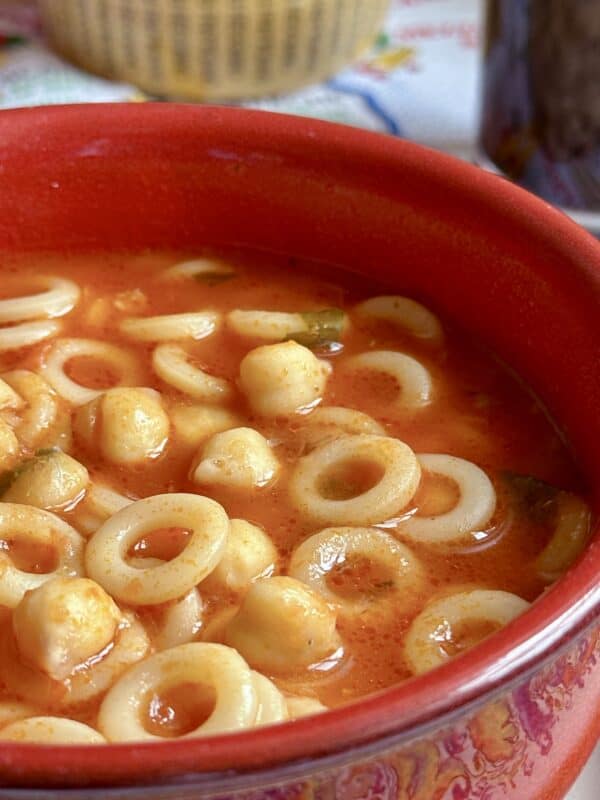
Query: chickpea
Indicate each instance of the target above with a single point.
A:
(63, 623)
(49, 481)
(131, 425)
(283, 624)
(240, 457)
(249, 554)
(193, 424)
(281, 379)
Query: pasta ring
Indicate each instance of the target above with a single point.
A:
(60, 297)
(271, 705)
(27, 334)
(215, 665)
(472, 512)
(191, 325)
(63, 350)
(406, 313)
(302, 706)
(40, 527)
(130, 646)
(318, 555)
(100, 503)
(171, 363)
(51, 730)
(390, 494)
(433, 626)
(181, 621)
(42, 412)
(196, 267)
(330, 422)
(87, 682)
(15, 710)
(106, 551)
(9, 399)
(413, 380)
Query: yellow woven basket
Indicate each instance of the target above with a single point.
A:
(213, 49)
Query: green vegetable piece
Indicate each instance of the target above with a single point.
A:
(8, 478)
(323, 328)
(571, 534)
(535, 498)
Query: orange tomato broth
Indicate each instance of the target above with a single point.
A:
(480, 412)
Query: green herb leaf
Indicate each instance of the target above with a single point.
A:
(323, 328)
(535, 498)
(8, 478)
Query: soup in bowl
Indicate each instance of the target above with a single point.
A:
(281, 471)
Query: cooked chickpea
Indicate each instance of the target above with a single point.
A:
(249, 554)
(283, 624)
(49, 481)
(63, 623)
(131, 425)
(281, 379)
(194, 424)
(240, 457)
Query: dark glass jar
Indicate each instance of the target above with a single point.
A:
(541, 97)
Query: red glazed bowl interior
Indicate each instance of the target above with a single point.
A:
(516, 273)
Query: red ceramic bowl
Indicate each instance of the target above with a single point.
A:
(517, 716)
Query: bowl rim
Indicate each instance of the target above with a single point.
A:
(552, 622)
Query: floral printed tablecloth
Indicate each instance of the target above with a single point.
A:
(419, 81)
(402, 87)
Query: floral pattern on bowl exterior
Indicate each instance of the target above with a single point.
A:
(505, 750)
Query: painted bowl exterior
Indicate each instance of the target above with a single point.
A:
(514, 718)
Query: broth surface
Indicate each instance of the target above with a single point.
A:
(479, 412)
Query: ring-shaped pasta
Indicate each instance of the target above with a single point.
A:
(170, 362)
(15, 710)
(26, 334)
(475, 507)
(434, 627)
(303, 706)
(275, 326)
(391, 493)
(190, 325)
(42, 412)
(38, 527)
(413, 380)
(85, 684)
(106, 551)
(181, 622)
(63, 350)
(571, 533)
(213, 665)
(404, 312)
(130, 646)
(329, 422)
(271, 705)
(51, 730)
(198, 267)
(9, 447)
(100, 503)
(313, 561)
(9, 399)
(60, 297)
